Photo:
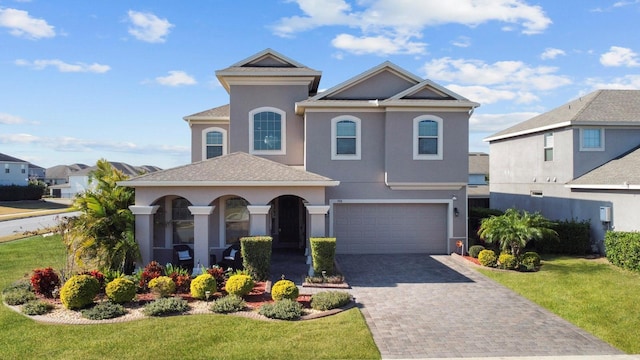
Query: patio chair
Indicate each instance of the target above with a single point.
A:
(183, 256)
(231, 257)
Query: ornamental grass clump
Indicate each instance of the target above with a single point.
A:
(327, 300)
(285, 309)
(228, 304)
(121, 290)
(203, 284)
(163, 286)
(79, 291)
(284, 289)
(239, 285)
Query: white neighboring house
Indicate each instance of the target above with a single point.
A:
(13, 171)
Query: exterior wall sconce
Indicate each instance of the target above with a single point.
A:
(456, 212)
(454, 198)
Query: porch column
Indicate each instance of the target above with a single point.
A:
(258, 219)
(316, 225)
(144, 230)
(200, 235)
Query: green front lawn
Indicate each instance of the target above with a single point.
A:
(592, 294)
(344, 336)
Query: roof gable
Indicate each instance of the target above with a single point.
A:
(623, 172)
(269, 58)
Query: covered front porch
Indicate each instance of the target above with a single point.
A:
(209, 205)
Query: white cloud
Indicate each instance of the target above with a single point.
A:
(499, 81)
(63, 66)
(148, 27)
(627, 82)
(176, 78)
(491, 123)
(21, 24)
(551, 53)
(9, 119)
(619, 56)
(379, 45)
(18, 139)
(404, 20)
(462, 41)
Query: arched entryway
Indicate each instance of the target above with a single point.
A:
(288, 222)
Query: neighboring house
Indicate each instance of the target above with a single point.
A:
(59, 174)
(36, 173)
(478, 192)
(378, 161)
(78, 180)
(13, 171)
(578, 161)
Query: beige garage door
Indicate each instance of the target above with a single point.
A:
(390, 228)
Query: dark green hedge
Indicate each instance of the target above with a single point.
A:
(16, 192)
(573, 239)
(476, 215)
(256, 256)
(623, 249)
(323, 254)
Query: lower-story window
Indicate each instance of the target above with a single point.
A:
(182, 221)
(236, 219)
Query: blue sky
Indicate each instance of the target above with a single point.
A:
(83, 80)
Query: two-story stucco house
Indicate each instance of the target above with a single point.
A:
(578, 161)
(378, 161)
(13, 171)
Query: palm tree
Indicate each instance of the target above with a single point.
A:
(513, 230)
(105, 229)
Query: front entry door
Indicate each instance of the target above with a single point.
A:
(289, 218)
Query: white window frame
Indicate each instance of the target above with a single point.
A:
(204, 140)
(283, 132)
(583, 148)
(334, 138)
(416, 154)
(548, 145)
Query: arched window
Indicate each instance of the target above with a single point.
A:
(214, 142)
(236, 219)
(427, 138)
(345, 138)
(267, 131)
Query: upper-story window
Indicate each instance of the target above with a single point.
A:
(267, 131)
(591, 139)
(214, 142)
(6, 169)
(345, 138)
(427, 138)
(548, 147)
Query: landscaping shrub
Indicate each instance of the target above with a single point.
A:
(475, 250)
(110, 275)
(79, 291)
(573, 239)
(121, 290)
(285, 309)
(623, 249)
(44, 281)
(507, 261)
(166, 306)
(151, 271)
(18, 296)
(219, 274)
(228, 304)
(323, 254)
(162, 286)
(201, 284)
(530, 260)
(32, 191)
(104, 310)
(284, 289)
(18, 285)
(98, 276)
(476, 215)
(487, 258)
(327, 300)
(180, 277)
(36, 307)
(239, 285)
(256, 256)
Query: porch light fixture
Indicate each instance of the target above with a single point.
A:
(454, 198)
(456, 212)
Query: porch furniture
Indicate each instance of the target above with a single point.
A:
(231, 257)
(183, 256)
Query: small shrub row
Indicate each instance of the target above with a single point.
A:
(529, 261)
(285, 309)
(573, 239)
(104, 310)
(166, 306)
(323, 253)
(33, 191)
(256, 255)
(228, 304)
(327, 300)
(623, 249)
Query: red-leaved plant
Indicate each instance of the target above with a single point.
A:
(182, 281)
(151, 271)
(44, 281)
(96, 274)
(218, 274)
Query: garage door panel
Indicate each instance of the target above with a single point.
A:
(390, 228)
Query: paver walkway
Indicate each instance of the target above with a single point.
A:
(420, 306)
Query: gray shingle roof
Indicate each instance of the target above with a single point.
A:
(600, 107)
(620, 172)
(233, 169)
(7, 158)
(478, 163)
(220, 112)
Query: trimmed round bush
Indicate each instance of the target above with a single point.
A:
(474, 251)
(162, 286)
(36, 307)
(79, 291)
(327, 300)
(121, 290)
(166, 306)
(531, 259)
(507, 261)
(487, 258)
(239, 285)
(284, 289)
(104, 310)
(201, 284)
(228, 304)
(285, 309)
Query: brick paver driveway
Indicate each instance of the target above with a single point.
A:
(421, 306)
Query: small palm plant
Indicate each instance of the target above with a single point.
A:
(513, 230)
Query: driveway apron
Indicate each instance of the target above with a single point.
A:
(421, 306)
